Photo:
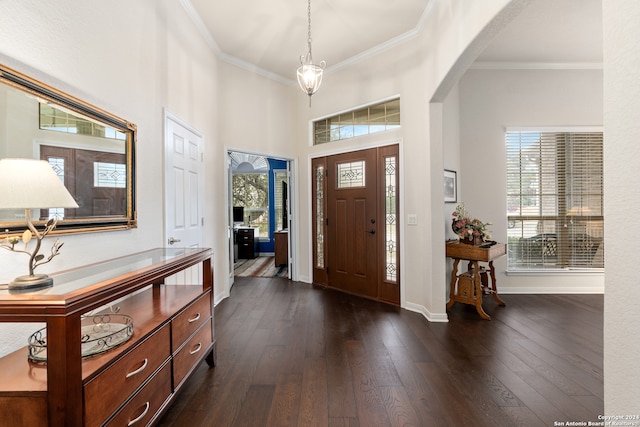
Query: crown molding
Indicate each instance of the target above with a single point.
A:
(497, 65)
(230, 59)
(382, 47)
(248, 66)
(389, 44)
(202, 28)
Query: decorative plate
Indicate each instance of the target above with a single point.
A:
(99, 332)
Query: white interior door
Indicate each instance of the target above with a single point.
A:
(184, 191)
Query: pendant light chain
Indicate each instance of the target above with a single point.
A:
(309, 21)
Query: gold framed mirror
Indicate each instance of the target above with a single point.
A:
(91, 150)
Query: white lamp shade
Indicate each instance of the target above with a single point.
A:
(31, 184)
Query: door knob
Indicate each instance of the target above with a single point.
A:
(172, 240)
(372, 231)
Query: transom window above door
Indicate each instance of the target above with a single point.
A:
(374, 118)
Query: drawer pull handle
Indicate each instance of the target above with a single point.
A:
(194, 318)
(197, 349)
(141, 416)
(140, 369)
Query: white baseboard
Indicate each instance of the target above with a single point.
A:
(551, 291)
(431, 317)
(221, 296)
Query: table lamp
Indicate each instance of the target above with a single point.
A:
(32, 184)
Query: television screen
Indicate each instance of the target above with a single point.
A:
(238, 214)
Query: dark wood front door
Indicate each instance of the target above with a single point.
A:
(79, 168)
(352, 222)
(355, 226)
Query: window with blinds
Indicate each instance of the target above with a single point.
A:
(555, 193)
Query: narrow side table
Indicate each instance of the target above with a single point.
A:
(469, 286)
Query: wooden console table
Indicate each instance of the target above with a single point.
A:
(133, 383)
(469, 286)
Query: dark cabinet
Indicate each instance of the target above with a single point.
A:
(281, 248)
(247, 241)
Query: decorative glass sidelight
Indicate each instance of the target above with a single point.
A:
(319, 263)
(391, 237)
(57, 164)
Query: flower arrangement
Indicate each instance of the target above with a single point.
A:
(467, 227)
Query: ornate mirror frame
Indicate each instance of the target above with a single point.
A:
(42, 94)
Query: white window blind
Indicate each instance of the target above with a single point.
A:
(555, 198)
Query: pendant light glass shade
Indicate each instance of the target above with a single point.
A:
(310, 75)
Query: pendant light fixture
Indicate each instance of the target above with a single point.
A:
(310, 74)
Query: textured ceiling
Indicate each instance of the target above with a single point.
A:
(551, 31)
(269, 36)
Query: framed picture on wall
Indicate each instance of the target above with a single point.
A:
(450, 186)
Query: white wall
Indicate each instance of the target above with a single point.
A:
(132, 59)
(154, 59)
(415, 71)
(257, 114)
(157, 60)
(491, 101)
(151, 60)
(622, 204)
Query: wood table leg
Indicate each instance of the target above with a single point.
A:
(494, 288)
(452, 285)
(478, 286)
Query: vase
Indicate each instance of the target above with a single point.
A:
(466, 240)
(476, 241)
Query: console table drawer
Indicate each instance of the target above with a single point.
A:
(144, 405)
(189, 320)
(106, 392)
(191, 353)
(129, 384)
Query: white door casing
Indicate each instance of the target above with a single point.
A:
(230, 230)
(289, 221)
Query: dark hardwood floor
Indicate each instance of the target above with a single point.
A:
(296, 355)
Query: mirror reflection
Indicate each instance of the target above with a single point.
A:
(91, 151)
